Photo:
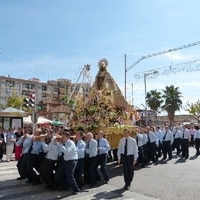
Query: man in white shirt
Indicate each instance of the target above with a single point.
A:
(160, 139)
(140, 140)
(151, 144)
(103, 147)
(90, 159)
(185, 142)
(48, 165)
(79, 171)
(197, 139)
(128, 154)
(167, 143)
(177, 140)
(65, 172)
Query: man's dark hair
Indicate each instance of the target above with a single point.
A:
(66, 133)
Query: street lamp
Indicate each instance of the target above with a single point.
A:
(145, 91)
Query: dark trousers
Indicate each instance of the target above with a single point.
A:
(90, 164)
(47, 172)
(141, 157)
(176, 145)
(115, 154)
(41, 158)
(167, 150)
(159, 149)
(151, 151)
(1, 151)
(101, 161)
(79, 172)
(197, 141)
(192, 141)
(128, 168)
(32, 159)
(22, 166)
(185, 148)
(66, 169)
(144, 147)
(109, 156)
(19, 163)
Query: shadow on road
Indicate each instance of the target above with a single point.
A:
(193, 157)
(180, 160)
(118, 193)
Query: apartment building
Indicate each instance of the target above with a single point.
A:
(54, 89)
(24, 87)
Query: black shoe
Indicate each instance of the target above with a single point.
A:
(128, 187)
(98, 178)
(80, 187)
(53, 188)
(37, 183)
(93, 186)
(75, 193)
(62, 189)
(20, 178)
(28, 181)
(46, 187)
(106, 182)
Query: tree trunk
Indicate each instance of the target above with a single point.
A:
(171, 118)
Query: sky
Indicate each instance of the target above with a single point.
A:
(53, 39)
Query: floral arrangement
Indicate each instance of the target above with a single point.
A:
(99, 110)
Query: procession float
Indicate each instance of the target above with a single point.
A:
(105, 108)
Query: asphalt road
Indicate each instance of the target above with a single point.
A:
(176, 179)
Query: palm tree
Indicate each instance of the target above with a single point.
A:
(172, 101)
(154, 101)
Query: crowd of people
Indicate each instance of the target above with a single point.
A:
(59, 157)
(63, 158)
(156, 142)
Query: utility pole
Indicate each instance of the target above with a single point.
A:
(132, 93)
(125, 76)
(145, 94)
(156, 54)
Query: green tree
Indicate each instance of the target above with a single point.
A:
(14, 101)
(193, 108)
(154, 101)
(70, 103)
(172, 101)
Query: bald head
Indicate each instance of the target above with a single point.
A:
(89, 136)
(100, 134)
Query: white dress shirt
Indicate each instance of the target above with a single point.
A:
(52, 149)
(132, 148)
(177, 134)
(160, 135)
(91, 148)
(152, 136)
(196, 134)
(103, 146)
(26, 143)
(80, 145)
(145, 139)
(185, 134)
(69, 149)
(168, 136)
(140, 139)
